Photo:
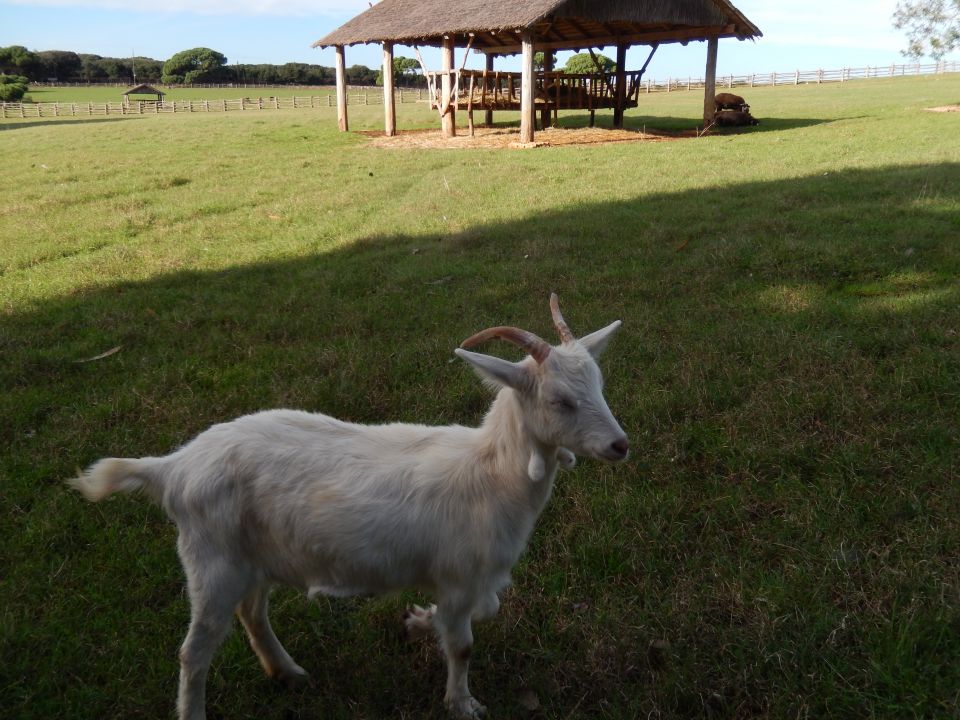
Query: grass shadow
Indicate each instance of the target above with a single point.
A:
(17, 124)
(790, 382)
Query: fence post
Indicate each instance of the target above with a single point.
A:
(796, 78)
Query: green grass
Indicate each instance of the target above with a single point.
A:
(784, 539)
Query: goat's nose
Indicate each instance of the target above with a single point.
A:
(620, 447)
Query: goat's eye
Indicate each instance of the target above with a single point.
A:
(565, 404)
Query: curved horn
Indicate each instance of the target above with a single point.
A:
(565, 334)
(538, 348)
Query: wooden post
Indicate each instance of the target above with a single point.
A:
(488, 115)
(547, 67)
(341, 90)
(448, 120)
(389, 109)
(710, 81)
(526, 90)
(621, 86)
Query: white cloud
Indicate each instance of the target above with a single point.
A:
(213, 7)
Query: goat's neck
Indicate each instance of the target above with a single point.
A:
(509, 445)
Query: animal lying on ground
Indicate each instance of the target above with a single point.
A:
(734, 118)
(343, 509)
(729, 101)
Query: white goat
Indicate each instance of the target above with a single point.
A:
(343, 509)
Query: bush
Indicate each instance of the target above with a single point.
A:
(12, 87)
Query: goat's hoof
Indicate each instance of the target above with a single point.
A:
(418, 620)
(292, 677)
(466, 708)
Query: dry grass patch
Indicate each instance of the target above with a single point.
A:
(508, 137)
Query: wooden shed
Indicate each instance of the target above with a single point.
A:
(509, 27)
(143, 89)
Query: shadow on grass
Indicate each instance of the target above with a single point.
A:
(17, 124)
(788, 368)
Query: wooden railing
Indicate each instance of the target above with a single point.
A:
(501, 90)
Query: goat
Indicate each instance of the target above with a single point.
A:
(341, 509)
(729, 101)
(734, 118)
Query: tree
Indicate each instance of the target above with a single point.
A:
(12, 87)
(16, 59)
(196, 65)
(406, 72)
(62, 65)
(933, 26)
(582, 63)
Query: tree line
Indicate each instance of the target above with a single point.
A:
(194, 66)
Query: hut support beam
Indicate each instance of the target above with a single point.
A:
(341, 90)
(545, 112)
(710, 82)
(488, 115)
(621, 85)
(527, 117)
(448, 121)
(389, 108)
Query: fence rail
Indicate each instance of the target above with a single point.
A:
(372, 96)
(805, 77)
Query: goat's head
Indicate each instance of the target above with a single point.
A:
(559, 387)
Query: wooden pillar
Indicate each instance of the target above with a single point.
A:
(621, 86)
(488, 116)
(547, 67)
(710, 82)
(526, 90)
(389, 108)
(341, 90)
(448, 122)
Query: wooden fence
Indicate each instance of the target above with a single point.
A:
(362, 96)
(804, 77)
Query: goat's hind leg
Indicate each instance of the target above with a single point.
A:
(215, 586)
(275, 660)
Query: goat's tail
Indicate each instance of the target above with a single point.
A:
(111, 475)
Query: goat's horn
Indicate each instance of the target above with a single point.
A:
(538, 348)
(562, 328)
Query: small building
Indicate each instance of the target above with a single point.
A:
(509, 27)
(143, 89)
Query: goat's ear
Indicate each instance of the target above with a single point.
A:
(497, 371)
(596, 342)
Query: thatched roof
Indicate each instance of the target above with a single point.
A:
(143, 90)
(557, 24)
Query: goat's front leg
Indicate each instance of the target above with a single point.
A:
(452, 622)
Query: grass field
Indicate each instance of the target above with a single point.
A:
(115, 94)
(784, 540)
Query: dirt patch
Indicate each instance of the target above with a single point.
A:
(497, 137)
(945, 108)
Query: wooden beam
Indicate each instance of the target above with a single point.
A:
(526, 89)
(488, 115)
(661, 37)
(341, 90)
(448, 119)
(710, 82)
(621, 86)
(545, 111)
(389, 108)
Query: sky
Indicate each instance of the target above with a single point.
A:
(800, 36)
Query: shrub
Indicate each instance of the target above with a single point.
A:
(12, 87)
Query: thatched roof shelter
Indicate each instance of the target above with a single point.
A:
(503, 27)
(144, 89)
(555, 24)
